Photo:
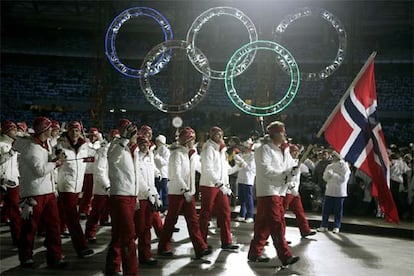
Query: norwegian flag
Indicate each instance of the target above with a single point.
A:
(354, 131)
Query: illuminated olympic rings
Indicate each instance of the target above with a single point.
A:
(218, 11)
(335, 22)
(192, 52)
(116, 25)
(289, 62)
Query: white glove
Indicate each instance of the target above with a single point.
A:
(137, 205)
(188, 196)
(223, 188)
(158, 202)
(27, 207)
(151, 199)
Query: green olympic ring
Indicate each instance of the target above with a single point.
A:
(284, 57)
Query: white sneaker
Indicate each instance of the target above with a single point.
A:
(322, 229)
(249, 220)
(240, 219)
(335, 230)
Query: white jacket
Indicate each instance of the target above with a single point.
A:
(182, 170)
(100, 174)
(72, 172)
(122, 169)
(336, 176)
(92, 151)
(145, 174)
(272, 168)
(36, 169)
(247, 174)
(9, 169)
(161, 157)
(214, 165)
(293, 186)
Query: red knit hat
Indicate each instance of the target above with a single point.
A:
(122, 125)
(142, 140)
(113, 132)
(22, 126)
(93, 131)
(73, 125)
(186, 135)
(144, 129)
(276, 127)
(55, 125)
(41, 124)
(214, 130)
(7, 125)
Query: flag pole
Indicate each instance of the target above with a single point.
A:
(361, 72)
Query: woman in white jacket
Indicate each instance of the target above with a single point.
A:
(336, 176)
(181, 194)
(70, 183)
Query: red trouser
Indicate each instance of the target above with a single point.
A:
(143, 219)
(269, 220)
(157, 223)
(47, 210)
(68, 206)
(99, 206)
(122, 246)
(212, 196)
(86, 200)
(175, 204)
(295, 205)
(12, 209)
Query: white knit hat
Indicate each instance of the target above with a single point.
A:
(161, 138)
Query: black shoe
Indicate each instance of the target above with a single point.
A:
(106, 223)
(230, 246)
(205, 252)
(150, 261)
(86, 253)
(65, 235)
(59, 264)
(92, 240)
(311, 233)
(176, 230)
(29, 263)
(260, 259)
(167, 253)
(291, 260)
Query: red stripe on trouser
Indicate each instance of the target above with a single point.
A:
(213, 197)
(86, 200)
(176, 204)
(68, 204)
(143, 223)
(295, 205)
(46, 209)
(122, 246)
(11, 200)
(99, 206)
(269, 221)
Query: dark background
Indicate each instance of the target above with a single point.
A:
(53, 63)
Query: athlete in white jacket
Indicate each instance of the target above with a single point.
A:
(181, 195)
(123, 203)
(214, 187)
(37, 191)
